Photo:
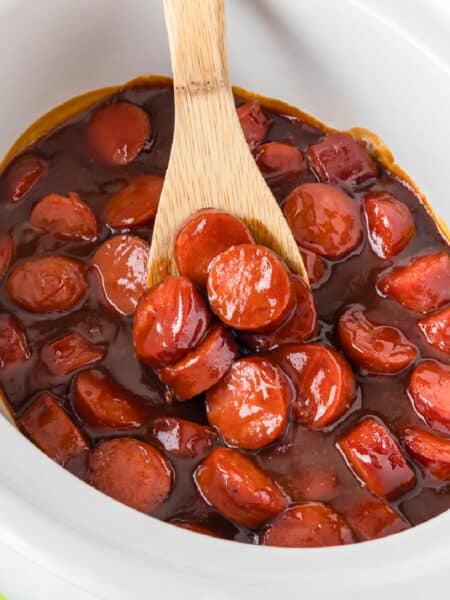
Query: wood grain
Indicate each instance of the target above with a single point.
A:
(210, 163)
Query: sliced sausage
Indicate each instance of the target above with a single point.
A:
(436, 330)
(13, 343)
(132, 472)
(430, 450)
(22, 175)
(323, 219)
(324, 383)
(308, 525)
(183, 438)
(249, 288)
(195, 527)
(118, 132)
(250, 405)
(422, 285)
(49, 284)
(429, 390)
(390, 224)
(202, 237)
(69, 353)
(299, 327)
(170, 320)
(339, 159)
(6, 252)
(51, 429)
(135, 204)
(254, 123)
(238, 489)
(375, 457)
(318, 484)
(202, 367)
(372, 520)
(277, 160)
(317, 269)
(374, 348)
(100, 402)
(121, 267)
(65, 216)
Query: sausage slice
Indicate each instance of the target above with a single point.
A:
(436, 330)
(69, 353)
(135, 204)
(238, 489)
(22, 175)
(51, 429)
(429, 390)
(372, 520)
(65, 216)
(277, 160)
(132, 472)
(250, 406)
(317, 269)
(202, 237)
(254, 123)
(183, 438)
(13, 343)
(430, 450)
(6, 253)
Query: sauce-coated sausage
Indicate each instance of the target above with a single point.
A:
(6, 253)
(65, 216)
(183, 438)
(69, 353)
(436, 330)
(372, 520)
(254, 123)
(22, 175)
(277, 160)
(430, 450)
(13, 343)
(135, 204)
(429, 390)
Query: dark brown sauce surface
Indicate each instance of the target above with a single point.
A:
(71, 168)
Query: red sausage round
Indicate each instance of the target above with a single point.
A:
(323, 219)
(277, 160)
(51, 429)
(249, 288)
(100, 402)
(254, 123)
(202, 237)
(49, 284)
(431, 451)
(372, 520)
(250, 405)
(13, 343)
(202, 367)
(299, 327)
(308, 525)
(118, 132)
(429, 389)
(238, 489)
(69, 353)
(6, 252)
(171, 319)
(389, 222)
(374, 348)
(339, 159)
(121, 267)
(135, 204)
(65, 216)
(317, 269)
(436, 330)
(422, 285)
(324, 383)
(22, 175)
(183, 438)
(132, 472)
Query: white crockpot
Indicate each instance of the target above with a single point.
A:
(379, 64)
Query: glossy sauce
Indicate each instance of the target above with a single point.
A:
(70, 168)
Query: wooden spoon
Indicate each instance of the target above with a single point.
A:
(210, 163)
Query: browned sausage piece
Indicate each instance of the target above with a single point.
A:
(135, 204)
(429, 450)
(49, 284)
(429, 390)
(171, 319)
(202, 367)
(436, 330)
(132, 472)
(51, 429)
(13, 343)
(183, 438)
(317, 269)
(323, 380)
(299, 327)
(254, 123)
(249, 288)
(238, 489)
(308, 525)
(22, 175)
(250, 405)
(372, 519)
(118, 132)
(69, 353)
(323, 219)
(6, 252)
(202, 237)
(101, 402)
(121, 267)
(277, 160)
(65, 216)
